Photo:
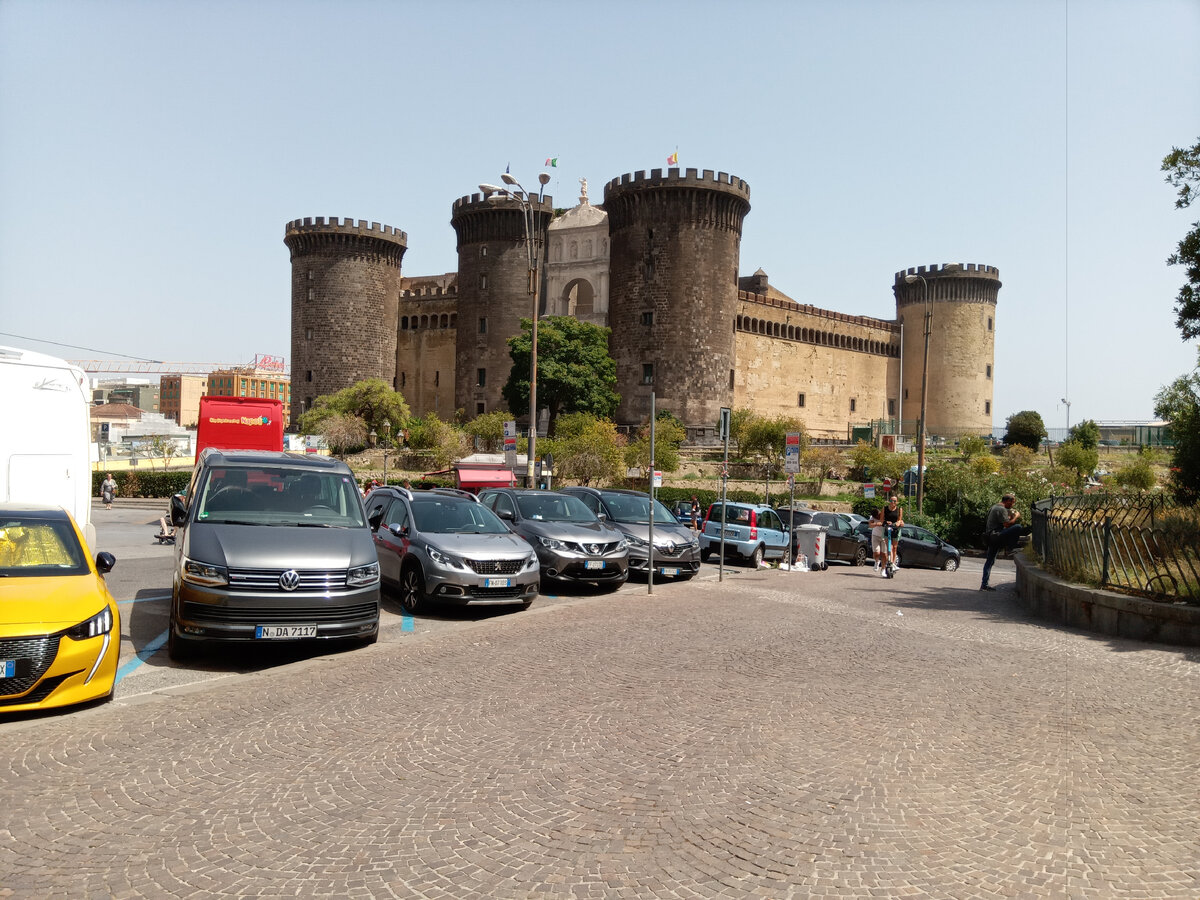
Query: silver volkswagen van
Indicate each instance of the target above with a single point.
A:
(271, 546)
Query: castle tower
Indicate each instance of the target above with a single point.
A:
(493, 294)
(961, 345)
(345, 289)
(674, 244)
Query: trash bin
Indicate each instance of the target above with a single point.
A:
(809, 540)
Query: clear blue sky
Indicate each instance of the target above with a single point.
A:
(152, 152)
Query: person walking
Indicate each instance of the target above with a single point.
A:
(108, 490)
(1002, 531)
(695, 513)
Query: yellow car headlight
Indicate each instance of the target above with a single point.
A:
(100, 623)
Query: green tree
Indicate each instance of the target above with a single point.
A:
(766, 438)
(1017, 459)
(370, 400)
(739, 421)
(586, 449)
(1086, 434)
(818, 462)
(1025, 428)
(1078, 458)
(1136, 475)
(668, 435)
(445, 443)
(973, 445)
(488, 431)
(1183, 172)
(1179, 404)
(575, 372)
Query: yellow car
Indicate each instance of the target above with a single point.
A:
(60, 632)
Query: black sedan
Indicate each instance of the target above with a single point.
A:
(920, 548)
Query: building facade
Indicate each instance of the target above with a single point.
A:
(248, 382)
(658, 264)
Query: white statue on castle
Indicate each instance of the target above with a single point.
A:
(583, 197)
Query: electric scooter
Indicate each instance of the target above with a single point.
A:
(889, 567)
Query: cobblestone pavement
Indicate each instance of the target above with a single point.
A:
(777, 735)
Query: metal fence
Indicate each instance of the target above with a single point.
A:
(1145, 546)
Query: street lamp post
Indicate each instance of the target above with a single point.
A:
(533, 248)
(912, 279)
(387, 429)
(1067, 404)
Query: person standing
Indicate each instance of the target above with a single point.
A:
(1001, 531)
(893, 518)
(695, 513)
(108, 490)
(878, 545)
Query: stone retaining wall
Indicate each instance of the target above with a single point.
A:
(1105, 612)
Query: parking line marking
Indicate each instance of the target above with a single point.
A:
(407, 622)
(143, 599)
(144, 654)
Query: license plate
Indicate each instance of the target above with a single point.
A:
(285, 632)
(594, 564)
(8, 668)
(498, 582)
(669, 571)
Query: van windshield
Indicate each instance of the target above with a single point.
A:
(278, 495)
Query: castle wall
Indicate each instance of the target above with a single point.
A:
(674, 242)
(493, 294)
(345, 285)
(425, 346)
(826, 368)
(961, 345)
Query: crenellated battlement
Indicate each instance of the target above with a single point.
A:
(951, 270)
(809, 310)
(334, 225)
(679, 178)
(500, 201)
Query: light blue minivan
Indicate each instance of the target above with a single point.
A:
(752, 532)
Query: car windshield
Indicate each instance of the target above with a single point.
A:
(446, 515)
(279, 495)
(31, 547)
(547, 507)
(634, 509)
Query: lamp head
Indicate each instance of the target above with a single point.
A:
(911, 279)
(544, 178)
(508, 179)
(489, 189)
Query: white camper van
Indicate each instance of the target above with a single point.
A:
(45, 440)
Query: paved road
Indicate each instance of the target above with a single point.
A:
(776, 735)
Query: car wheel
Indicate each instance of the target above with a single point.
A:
(180, 649)
(412, 590)
(705, 555)
(756, 557)
(860, 556)
(950, 565)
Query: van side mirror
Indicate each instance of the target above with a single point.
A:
(398, 530)
(505, 514)
(178, 511)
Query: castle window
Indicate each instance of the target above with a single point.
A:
(731, 379)
(800, 400)
(453, 320)
(310, 275)
(483, 282)
(437, 377)
(404, 323)
(479, 409)
(444, 322)
(424, 321)
(481, 377)
(308, 334)
(989, 370)
(308, 402)
(647, 373)
(308, 375)
(311, 294)
(906, 393)
(987, 407)
(648, 318)
(483, 324)
(853, 404)
(403, 378)
(891, 407)
(989, 323)
(483, 249)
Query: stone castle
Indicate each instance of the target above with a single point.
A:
(658, 264)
